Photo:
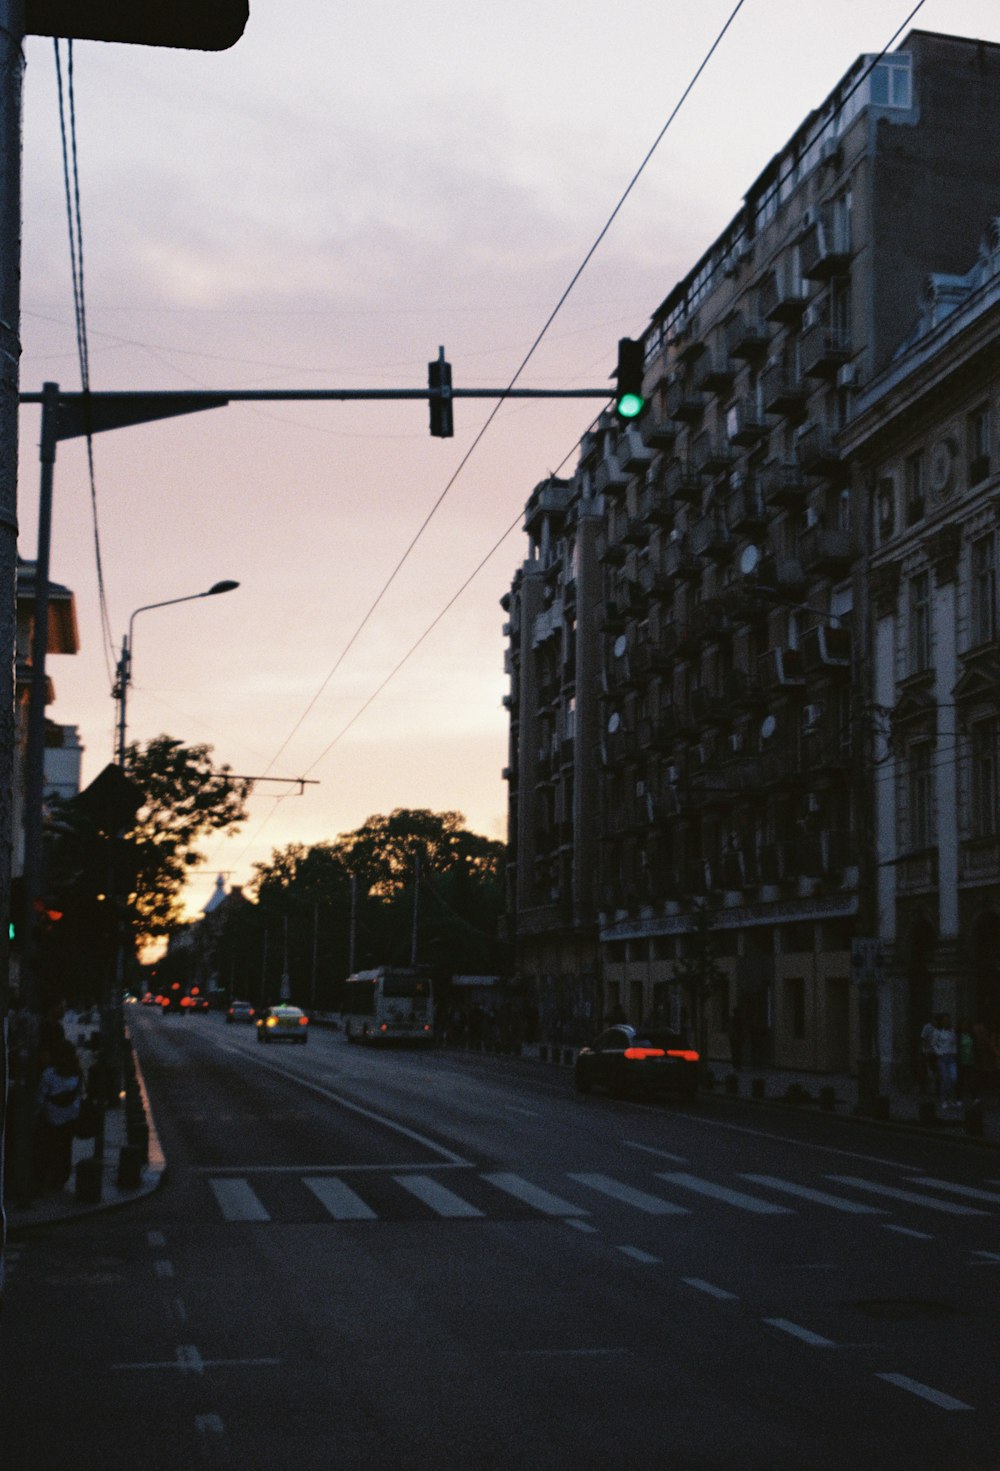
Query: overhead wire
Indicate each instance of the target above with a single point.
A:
(71, 179)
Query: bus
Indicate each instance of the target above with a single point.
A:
(388, 1004)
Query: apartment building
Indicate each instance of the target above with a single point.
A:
(715, 745)
(923, 442)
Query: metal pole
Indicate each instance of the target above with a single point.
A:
(315, 957)
(416, 906)
(124, 675)
(11, 80)
(354, 924)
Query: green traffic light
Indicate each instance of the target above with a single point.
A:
(630, 406)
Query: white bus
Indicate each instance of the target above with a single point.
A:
(388, 1004)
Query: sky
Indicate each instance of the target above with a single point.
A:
(323, 206)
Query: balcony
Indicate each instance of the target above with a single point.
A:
(825, 749)
(709, 709)
(710, 620)
(746, 422)
(781, 575)
(633, 453)
(635, 531)
(781, 669)
(711, 453)
(680, 562)
(824, 351)
(747, 337)
(659, 432)
(710, 538)
(826, 650)
(610, 476)
(742, 691)
(827, 551)
(612, 553)
(745, 508)
(684, 401)
(826, 249)
(817, 449)
(715, 372)
(781, 300)
(783, 484)
(784, 393)
(657, 506)
(685, 482)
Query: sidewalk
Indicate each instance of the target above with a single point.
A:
(99, 1186)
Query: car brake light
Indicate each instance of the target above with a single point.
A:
(303, 1021)
(384, 1027)
(637, 1052)
(427, 1026)
(687, 1056)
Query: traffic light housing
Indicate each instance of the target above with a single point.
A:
(439, 397)
(630, 401)
(197, 25)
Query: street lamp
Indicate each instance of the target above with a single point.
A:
(125, 663)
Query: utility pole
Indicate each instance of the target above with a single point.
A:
(416, 905)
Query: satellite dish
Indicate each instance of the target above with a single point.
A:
(767, 727)
(749, 560)
(614, 723)
(621, 644)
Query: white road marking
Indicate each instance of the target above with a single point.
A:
(872, 1159)
(156, 1238)
(582, 1226)
(805, 1335)
(209, 1425)
(653, 1205)
(540, 1200)
(948, 1207)
(345, 1103)
(548, 1353)
(924, 1391)
(640, 1256)
(700, 1285)
(678, 1159)
(163, 1268)
(237, 1201)
(190, 1361)
(990, 1259)
(821, 1197)
(179, 1310)
(731, 1197)
(442, 1201)
(321, 1169)
(969, 1192)
(907, 1231)
(340, 1200)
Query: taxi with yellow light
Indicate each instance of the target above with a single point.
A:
(283, 1023)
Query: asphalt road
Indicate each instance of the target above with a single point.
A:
(425, 1260)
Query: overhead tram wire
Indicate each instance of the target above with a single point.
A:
(503, 398)
(75, 221)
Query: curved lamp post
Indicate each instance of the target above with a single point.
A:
(125, 663)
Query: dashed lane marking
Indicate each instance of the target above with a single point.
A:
(924, 1391)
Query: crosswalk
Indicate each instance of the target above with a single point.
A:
(573, 1196)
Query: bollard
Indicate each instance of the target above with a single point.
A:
(732, 1083)
(130, 1162)
(137, 1135)
(828, 1099)
(757, 1088)
(88, 1181)
(974, 1119)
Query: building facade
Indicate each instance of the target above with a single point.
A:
(721, 734)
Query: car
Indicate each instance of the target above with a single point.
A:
(240, 1011)
(283, 1023)
(626, 1059)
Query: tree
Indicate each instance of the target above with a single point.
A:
(185, 797)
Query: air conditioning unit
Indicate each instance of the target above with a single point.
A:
(811, 716)
(736, 742)
(812, 517)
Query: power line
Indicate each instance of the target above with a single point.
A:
(75, 221)
(493, 414)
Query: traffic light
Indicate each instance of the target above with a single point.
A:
(439, 397)
(195, 25)
(630, 400)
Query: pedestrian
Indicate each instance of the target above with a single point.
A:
(60, 1090)
(945, 1045)
(966, 1062)
(928, 1061)
(736, 1036)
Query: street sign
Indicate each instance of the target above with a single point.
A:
(867, 962)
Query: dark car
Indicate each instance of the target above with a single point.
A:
(241, 1011)
(628, 1059)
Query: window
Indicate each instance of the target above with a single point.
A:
(979, 444)
(983, 590)
(985, 787)
(914, 480)
(921, 796)
(920, 623)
